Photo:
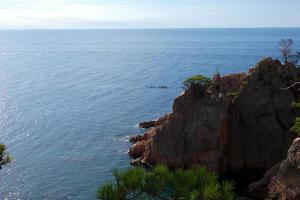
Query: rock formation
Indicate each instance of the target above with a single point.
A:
(154, 123)
(237, 125)
(147, 124)
(283, 180)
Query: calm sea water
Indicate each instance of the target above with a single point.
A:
(68, 99)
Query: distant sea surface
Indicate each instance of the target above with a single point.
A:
(69, 98)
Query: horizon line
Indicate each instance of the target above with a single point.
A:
(149, 28)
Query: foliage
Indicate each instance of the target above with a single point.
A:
(197, 80)
(233, 94)
(295, 104)
(161, 183)
(296, 127)
(4, 157)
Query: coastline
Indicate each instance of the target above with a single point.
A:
(202, 128)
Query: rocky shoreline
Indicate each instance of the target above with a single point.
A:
(238, 126)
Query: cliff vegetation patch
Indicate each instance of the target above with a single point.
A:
(197, 80)
(161, 183)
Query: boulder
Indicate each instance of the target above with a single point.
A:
(294, 154)
(282, 182)
(136, 138)
(138, 149)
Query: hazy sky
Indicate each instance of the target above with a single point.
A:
(148, 13)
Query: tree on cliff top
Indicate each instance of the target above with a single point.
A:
(286, 49)
(4, 157)
(197, 80)
(160, 183)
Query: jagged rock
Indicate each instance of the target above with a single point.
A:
(161, 120)
(140, 144)
(147, 124)
(231, 134)
(138, 149)
(294, 154)
(147, 136)
(228, 84)
(282, 182)
(154, 123)
(137, 138)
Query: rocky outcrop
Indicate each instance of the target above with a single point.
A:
(147, 136)
(283, 180)
(138, 148)
(147, 124)
(234, 126)
(153, 123)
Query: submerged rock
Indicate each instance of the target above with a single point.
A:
(237, 125)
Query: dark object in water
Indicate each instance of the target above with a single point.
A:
(159, 87)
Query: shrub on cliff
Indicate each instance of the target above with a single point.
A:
(197, 80)
(161, 183)
(295, 105)
(296, 127)
(4, 157)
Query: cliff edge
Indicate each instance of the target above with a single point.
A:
(237, 125)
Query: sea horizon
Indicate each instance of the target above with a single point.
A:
(145, 28)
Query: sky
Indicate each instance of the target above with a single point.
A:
(45, 14)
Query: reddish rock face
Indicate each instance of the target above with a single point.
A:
(154, 123)
(294, 154)
(238, 124)
(138, 149)
(282, 181)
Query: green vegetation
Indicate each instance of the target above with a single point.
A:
(296, 127)
(197, 80)
(233, 94)
(295, 104)
(161, 183)
(4, 157)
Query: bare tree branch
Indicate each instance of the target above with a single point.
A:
(294, 84)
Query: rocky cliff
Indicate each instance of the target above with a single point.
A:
(238, 125)
(283, 180)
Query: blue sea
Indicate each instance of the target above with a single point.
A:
(70, 98)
